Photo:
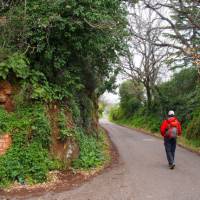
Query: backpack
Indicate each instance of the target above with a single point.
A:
(172, 129)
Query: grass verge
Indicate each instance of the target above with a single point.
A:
(191, 145)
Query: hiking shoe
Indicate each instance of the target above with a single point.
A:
(172, 166)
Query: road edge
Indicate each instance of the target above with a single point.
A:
(184, 146)
(26, 193)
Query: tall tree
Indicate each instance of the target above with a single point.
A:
(131, 97)
(71, 47)
(182, 27)
(144, 59)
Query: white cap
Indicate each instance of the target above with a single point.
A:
(171, 112)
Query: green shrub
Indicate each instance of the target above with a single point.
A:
(28, 164)
(65, 132)
(138, 120)
(40, 127)
(91, 151)
(17, 63)
(28, 160)
(116, 113)
(3, 121)
(74, 107)
(193, 129)
(153, 123)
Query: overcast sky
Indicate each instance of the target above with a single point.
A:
(112, 98)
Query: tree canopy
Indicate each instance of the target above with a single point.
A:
(62, 49)
(65, 40)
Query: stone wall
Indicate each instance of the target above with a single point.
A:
(67, 150)
(6, 101)
(5, 143)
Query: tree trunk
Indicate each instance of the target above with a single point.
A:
(95, 117)
(149, 96)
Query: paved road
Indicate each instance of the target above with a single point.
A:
(142, 173)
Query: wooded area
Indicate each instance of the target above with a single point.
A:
(162, 67)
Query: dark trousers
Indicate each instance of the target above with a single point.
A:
(170, 147)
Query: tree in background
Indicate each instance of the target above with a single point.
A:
(144, 60)
(179, 93)
(176, 27)
(181, 29)
(131, 97)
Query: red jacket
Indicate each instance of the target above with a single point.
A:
(166, 123)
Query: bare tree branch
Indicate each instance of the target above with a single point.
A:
(184, 22)
(144, 59)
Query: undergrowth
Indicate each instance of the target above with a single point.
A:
(65, 132)
(28, 160)
(190, 130)
(145, 122)
(92, 150)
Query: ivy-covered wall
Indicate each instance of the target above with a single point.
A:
(59, 56)
(63, 50)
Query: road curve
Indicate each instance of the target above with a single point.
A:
(142, 173)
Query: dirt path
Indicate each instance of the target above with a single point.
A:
(142, 173)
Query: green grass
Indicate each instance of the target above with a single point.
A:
(152, 125)
(145, 122)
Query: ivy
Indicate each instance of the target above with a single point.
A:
(91, 150)
(59, 51)
(65, 132)
(28, 159)
(72, 43)
(17, 63)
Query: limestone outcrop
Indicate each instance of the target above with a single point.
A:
(6, 91)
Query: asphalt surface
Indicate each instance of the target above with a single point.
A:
(142, 172)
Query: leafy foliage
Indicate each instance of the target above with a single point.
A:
(65, 132)
(91, 151)
(101, 108)
(71, 49)
(168, 95)
(131, 96)
(139, 119)
(116, 113)
(193, 129)
(28, 159)
(72, 43)
(59, 51)
(16, 63)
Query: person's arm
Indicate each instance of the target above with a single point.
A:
(163, 128)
